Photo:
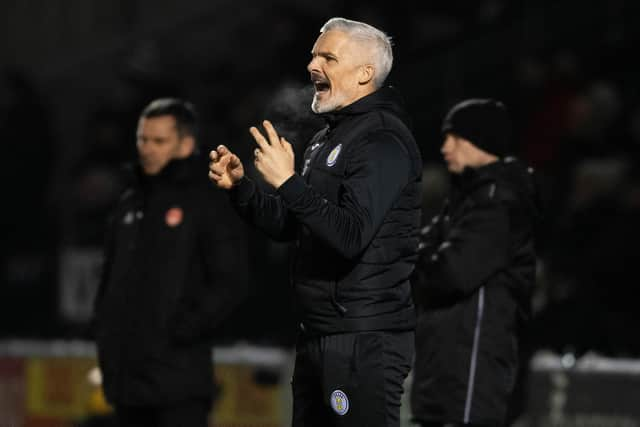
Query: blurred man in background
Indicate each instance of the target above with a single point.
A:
(476, 272)
(173, 272)
(354, 212)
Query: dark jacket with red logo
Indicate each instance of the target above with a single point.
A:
(173, 271)
(354, 213)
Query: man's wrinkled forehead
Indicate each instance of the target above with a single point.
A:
(335, 43)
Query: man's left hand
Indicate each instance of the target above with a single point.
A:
(274, 157)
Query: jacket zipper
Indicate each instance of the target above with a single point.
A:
(474, 357)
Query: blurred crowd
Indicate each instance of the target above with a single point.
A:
(565, 72)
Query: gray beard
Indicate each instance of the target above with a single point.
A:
(319, 107)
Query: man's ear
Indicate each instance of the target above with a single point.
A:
(187, 146)
(367, 72)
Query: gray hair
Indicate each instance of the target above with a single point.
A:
(381, 43)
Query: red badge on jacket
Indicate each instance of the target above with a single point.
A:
(174, 216)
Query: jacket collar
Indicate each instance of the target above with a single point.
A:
(385, 98)
(177, 171)
(472, 178)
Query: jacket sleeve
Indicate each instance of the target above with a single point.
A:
(378, 169)
(222, 251)
(431, 236)
(265, 211)
(474, 248)
(430, 239)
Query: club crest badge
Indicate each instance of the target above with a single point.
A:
(333, 155)
(339, 402)
(173, 217)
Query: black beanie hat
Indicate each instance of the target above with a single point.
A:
(483, 122)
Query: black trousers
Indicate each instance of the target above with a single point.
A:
(352, 379)
(185, 414)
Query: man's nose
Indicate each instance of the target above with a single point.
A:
(446, 145)
(313, 65)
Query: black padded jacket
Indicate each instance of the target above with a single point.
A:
(354, 213)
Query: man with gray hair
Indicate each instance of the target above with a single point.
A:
(354, 214)
(374, 53)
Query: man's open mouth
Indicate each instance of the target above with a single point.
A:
(320, 85)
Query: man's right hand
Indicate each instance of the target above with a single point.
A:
(225, 169)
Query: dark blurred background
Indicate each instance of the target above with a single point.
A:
(75, 74)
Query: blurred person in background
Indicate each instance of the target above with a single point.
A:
(475, 275)
(174, 270)
(354, 213)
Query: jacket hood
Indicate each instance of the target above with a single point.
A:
(385, 98)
